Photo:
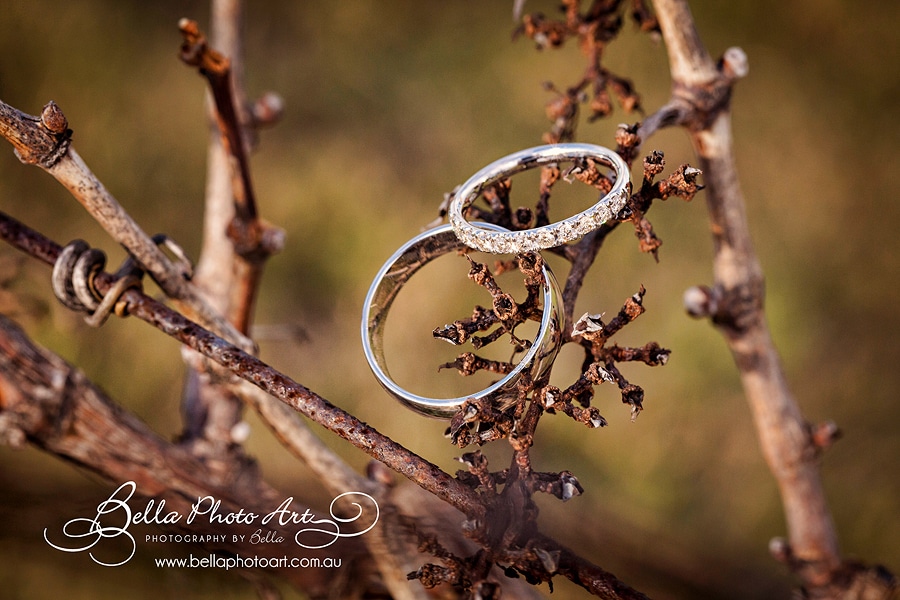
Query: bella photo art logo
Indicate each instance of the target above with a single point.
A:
(86, 533)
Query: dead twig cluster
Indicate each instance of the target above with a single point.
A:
(505, 535)
(593, 28)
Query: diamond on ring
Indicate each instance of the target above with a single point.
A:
(548, 236)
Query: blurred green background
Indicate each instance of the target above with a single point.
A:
(388, 106)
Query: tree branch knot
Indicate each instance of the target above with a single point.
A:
(706, 100)
(42, 140)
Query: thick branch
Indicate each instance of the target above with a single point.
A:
(701, 99)
(783, 432)
(53, 405)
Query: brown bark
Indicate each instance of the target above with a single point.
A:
(701, 102)
(48, 403)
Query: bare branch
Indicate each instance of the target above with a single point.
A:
(43, 144)
(689, 63)
(252, 369)
(253, 240)
(210, 408)
(53, 405)
(784, 434)
(425, 474)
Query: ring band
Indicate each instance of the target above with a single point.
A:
(548, 236)
(414, 255)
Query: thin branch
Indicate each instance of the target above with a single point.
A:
(674, 112)
(210, 409)
(303, 400)
(255, 371)
(216, 68)
(253, 240)
(737, 309)
(44, 142)
(783, 431)
(585, 574)
(582, 256)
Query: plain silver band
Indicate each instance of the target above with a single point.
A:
(548, 236)
(415, 254)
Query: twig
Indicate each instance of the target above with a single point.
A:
(248, 367)
(44, 142)
(263, 376)
(210, 409)
(582, 256)
(736, 305)
(585, 574)
(252, 239)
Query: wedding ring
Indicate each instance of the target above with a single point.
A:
(548, 236)
(398, 269)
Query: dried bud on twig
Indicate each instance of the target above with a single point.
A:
(468, 364)
(588, 326)
(700, 301)
(734, 63)
(628, 141)
(549, 395)
(654, 163)
(53, 119)
(780, 550)
(824, 435)
(570, 486)
(267, 110)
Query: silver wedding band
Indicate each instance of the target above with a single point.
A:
(398, 269)
(548, 236)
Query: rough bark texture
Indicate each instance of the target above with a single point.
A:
(702, 89)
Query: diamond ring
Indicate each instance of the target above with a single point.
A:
(397, 271)
(548, 236)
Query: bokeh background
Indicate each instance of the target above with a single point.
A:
(388, 106)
